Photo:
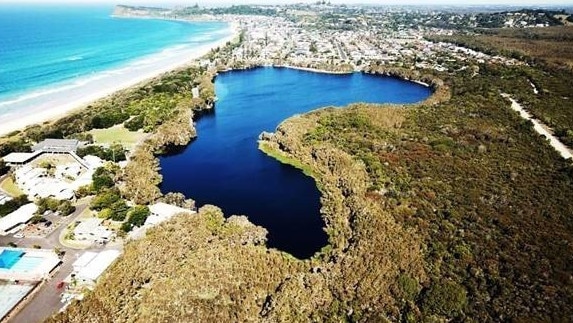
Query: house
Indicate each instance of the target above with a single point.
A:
(52, 188)
(83, 260)
(93, 162)
(19, 159)
(71, 171)
(25, 176)
(91, 230)
(90, 266)
(4, 198)
(57, 146)
(160, 212)
(18, 217)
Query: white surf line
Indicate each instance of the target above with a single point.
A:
(540, 128)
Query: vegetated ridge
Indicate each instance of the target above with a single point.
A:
(451, 209)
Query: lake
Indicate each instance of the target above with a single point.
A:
(224, 167)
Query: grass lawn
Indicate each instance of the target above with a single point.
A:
(117, 134)
(10, 187)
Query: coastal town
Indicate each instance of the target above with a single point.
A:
(277, 41)
(63, 222)
(55, 246)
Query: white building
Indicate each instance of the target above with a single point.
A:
(88, 268)
(36, 183)
(91, 230)
(4, 198)
(71, 171)
(93, 162)
(160, 212)
(17, 159)
(83, 260)
(49, 187)
(20, 216)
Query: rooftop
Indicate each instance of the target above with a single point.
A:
(21, 215)
(57, 145)
(94, 268)
(88, 226)
(20, 158)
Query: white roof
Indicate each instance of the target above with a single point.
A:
(160, 212)
(87, 226)
(93, 161)
(84, 260)
(98, 265)
(21, 215)
(4, 199)
(19, 157)
(26, 173)
(50, 187)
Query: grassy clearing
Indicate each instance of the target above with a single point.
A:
(117, 134)
(10, 187)
(271, 151)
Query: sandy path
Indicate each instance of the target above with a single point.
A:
(540, 128)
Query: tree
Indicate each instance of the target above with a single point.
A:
(137, 217)
(13, 205)
(141, 177)
(102, 179)
(3, 167)
(178, 199)
(45, 204)
(105, 199)
(119, 210)
(313, 48)
(66, 208)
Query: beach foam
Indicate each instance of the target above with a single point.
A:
(51, 103)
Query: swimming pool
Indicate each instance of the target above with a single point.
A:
(8, 258)
(27, 264)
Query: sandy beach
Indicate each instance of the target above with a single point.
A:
(50, 104)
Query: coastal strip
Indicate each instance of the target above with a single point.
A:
(59, 103)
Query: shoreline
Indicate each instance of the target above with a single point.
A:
(59, 102)
(314, 70)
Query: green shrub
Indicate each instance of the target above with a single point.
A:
(446, 298)
(409, 287)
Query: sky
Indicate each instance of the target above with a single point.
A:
(210, 3)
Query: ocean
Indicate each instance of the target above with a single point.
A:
(46, 50)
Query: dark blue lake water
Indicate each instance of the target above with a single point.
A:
(224, 167)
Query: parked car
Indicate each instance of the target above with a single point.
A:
(19, 235)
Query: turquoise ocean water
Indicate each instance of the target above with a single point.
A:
(44, 49)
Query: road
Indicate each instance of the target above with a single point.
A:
(541, 129)
(341, 51)
(45, 300)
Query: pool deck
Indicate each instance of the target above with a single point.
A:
(34, 266)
